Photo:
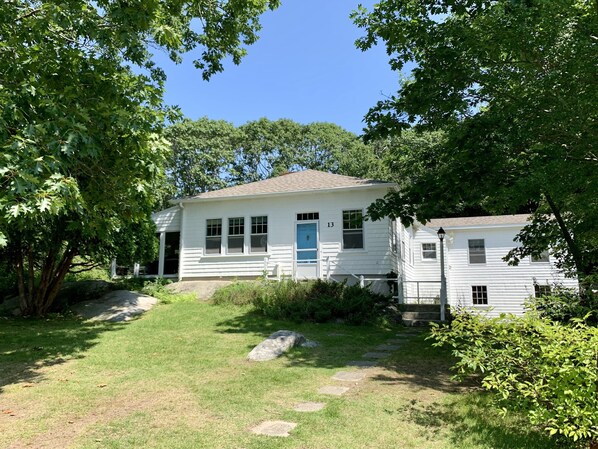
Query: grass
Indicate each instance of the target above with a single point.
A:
(178, 378)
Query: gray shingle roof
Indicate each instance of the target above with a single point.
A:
(303, 181)
(493, 220)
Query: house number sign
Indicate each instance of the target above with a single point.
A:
(331, 224)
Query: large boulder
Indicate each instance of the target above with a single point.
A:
(118, 305)
(277, 344)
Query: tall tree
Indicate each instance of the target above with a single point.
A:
(512, 84)
(202, 154)
(80, 129)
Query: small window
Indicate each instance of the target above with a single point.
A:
(477, 251)
(392, 232)
(308, 216)
(429, 251)
(479, 295)
(543, 257)
(259, 234)
(352, 229)
(213, 236)
(541, 290)
(236, 235)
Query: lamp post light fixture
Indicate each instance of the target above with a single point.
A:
(441, 234)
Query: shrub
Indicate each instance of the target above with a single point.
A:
(565, 304)
(546, 368)
(239, 293)
(318, 301)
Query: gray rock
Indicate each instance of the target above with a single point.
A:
(362, 363)
(333, 390)
(310, 344)
(349, 376)
(119, 305)
(309, 407)
(274, 428)
(275, 345)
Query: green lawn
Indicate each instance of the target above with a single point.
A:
(178, 378)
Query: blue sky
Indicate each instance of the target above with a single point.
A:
(304, 67)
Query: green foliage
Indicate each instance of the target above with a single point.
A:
(318, 301)
(546, 368)
(565, 305)
(512, 86)
(211, 154)
(81, 116)
(239, 293)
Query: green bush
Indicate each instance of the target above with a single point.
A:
(565, 304)
(239, 293)
(317, 301)
(546, 368)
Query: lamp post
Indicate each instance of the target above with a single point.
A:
(441, 234)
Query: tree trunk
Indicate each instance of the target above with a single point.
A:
(580, 267)
(593, 444)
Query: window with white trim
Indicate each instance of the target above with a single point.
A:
(236, 235)
(303, 216)
(259, 234)
(479, 295)
(429, 251)
(477, 251)
(213, 236)
(543, 257)
(353, 229)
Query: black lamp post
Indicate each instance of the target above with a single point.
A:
(441, 234)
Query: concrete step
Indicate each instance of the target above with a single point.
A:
(421, 315)
(418, 323)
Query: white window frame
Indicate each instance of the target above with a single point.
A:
(362, 229)
(251, 233)
(429, 259)
(219, 253)
(469, 254)
(544, 258)
(229, 235)
(538, 287)
(483, 289)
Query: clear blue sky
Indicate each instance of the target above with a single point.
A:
(304, 67)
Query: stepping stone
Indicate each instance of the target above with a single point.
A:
(387, 347)
(362, 363)
(274, 428)
(332, 390)
(375, 355)
(309, 407)
(349, 376)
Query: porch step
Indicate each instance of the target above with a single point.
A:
(418, 323)
(421, 315)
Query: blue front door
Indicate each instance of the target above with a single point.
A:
(307, 250)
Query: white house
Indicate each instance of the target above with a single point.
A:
(311, 224)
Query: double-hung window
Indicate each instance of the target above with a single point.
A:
(236, 235)
(477, 251)
(259, 234)
(429, 251)
(214, 236)
(353, 229)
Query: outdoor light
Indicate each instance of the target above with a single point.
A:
(441, 234)
(443, 299)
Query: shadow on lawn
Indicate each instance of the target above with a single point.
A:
(27, 345)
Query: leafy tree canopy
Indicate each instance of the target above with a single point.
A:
(81, 117)
(512, 86)
(211, 154)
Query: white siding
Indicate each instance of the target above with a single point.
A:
(375, 258)
(508, 286)
(168, 220)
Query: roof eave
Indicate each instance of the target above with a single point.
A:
(278, 194)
